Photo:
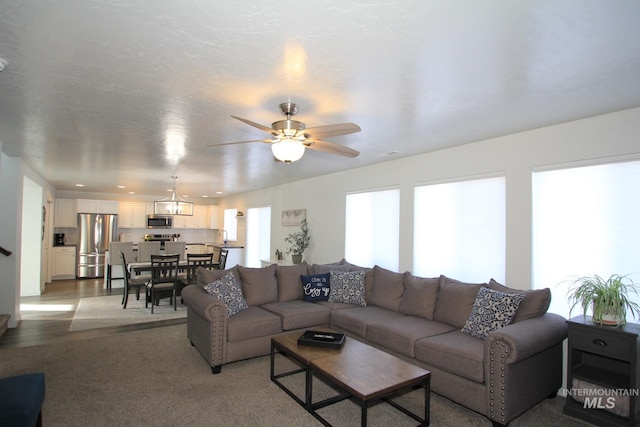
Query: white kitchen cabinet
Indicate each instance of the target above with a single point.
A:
(201, 216)
(132, 215)
(97, 206)
(65, 213)
(215, 218)
(199, 219)
(64, 262)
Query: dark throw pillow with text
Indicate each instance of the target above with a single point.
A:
(315, 287)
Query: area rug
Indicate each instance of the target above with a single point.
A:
(154, 377)
(106, 311)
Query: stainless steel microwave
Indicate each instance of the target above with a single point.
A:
(159, 221)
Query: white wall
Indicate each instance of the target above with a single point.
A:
(598, 139)
(12, 174)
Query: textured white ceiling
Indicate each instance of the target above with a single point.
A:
(108, 93)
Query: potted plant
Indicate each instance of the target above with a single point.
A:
(299, 241)
(609, 299)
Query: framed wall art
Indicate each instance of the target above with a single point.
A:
(293, 216)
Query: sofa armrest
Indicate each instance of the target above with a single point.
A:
(523, 365)
(529, 337)
(204, 304)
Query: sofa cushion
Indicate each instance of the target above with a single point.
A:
(334, 305)
(388, 288)
(357, 318)
(368, 279)
(491, 311)
(253, 322)
(400, 334)
(347, 287)
(454, 352)
(259, 285)
(455, 300)
(535, 303)
(326, 268)
(289, 281)
(299, 314)
(315, 287)
(227, 290)
(204, 276)
(420, 295)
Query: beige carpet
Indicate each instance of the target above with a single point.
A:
(154, 377)
(105, 311)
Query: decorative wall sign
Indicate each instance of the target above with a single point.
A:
(293, 217)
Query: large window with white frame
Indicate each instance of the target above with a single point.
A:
(372, 228)
(585, 222)
(459, 230)
(258, 244)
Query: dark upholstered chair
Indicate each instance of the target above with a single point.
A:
(21, 399)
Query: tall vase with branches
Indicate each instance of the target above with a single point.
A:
(299, 241)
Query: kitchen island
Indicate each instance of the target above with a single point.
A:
(235, 255)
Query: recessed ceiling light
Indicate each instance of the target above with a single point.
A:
(218, 192)
(79, 185)
(121, 186)
(132, 192)
(204, 196)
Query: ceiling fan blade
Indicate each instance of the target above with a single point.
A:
(329, 131)
(240, 142)
(254, 124)
(331, 147)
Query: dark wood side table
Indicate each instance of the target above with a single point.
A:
(603, 380)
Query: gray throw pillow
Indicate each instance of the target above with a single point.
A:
(227, 290)
(347, 287)
(491, 311)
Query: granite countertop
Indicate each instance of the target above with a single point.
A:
(226, 246)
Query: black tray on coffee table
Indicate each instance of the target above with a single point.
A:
(322, 339)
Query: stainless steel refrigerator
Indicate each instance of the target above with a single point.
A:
(95, 231)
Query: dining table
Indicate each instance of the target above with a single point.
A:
(142, 266)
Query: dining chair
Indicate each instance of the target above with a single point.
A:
(172, 248)
(193, 262)
(164, 279)
(116, 261)
(222, 263)
(146, 249)
(136, 282)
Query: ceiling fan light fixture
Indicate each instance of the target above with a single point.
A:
(287, 150)
(173, 205)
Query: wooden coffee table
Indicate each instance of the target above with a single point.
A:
(361, 372)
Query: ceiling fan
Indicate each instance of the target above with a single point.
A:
(289, 138)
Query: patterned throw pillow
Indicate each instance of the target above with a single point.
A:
(491, 311)
(227, 290)
(347, 287)
(315, 287)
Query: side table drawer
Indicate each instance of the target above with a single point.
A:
(602, 344)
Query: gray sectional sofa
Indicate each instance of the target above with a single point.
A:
(421, 320)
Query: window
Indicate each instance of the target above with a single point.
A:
(459, 230)
(231, 224)
(585, 222)
(258, 245)
(372, 229)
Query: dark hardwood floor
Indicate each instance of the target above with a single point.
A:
(46, 318)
